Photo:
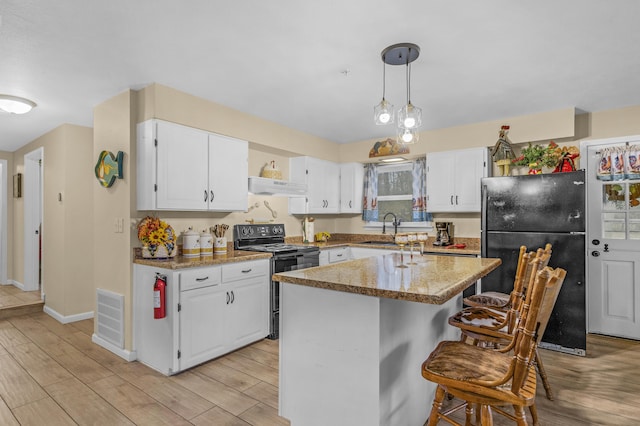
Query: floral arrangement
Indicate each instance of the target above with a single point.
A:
(537, 156)
(154, 233)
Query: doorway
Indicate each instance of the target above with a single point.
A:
(33, 201)
(613, 238)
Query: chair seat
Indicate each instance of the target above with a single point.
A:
(480, 317)
(461, 369)
(489, 298)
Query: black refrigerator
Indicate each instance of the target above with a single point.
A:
(534, 210)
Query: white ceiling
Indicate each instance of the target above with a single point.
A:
(284, 60)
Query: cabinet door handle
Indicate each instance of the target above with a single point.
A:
(456, 200)
(228, 298)
(202, 279)
(339, 255)
(205, 195)
(211, 198)
(246, 271)
(233, 296)
(451, 200)
(349, 203)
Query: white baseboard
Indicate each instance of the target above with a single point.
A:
(67, 319)
(17, 284)
(122, 353)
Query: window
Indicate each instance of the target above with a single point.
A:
(395, 194)
(395, 183)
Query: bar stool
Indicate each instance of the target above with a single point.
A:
(491, 378)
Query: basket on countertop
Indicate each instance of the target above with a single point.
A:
(157, 237)
(271, 171)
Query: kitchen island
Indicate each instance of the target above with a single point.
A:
(353, 336)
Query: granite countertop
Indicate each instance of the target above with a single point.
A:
(434, 279)
(472, 244)
(180, 262)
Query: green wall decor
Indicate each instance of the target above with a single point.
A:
(109, 167)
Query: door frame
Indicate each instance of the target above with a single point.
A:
(33, 214)
(4, 184)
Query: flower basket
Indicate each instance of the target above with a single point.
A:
(157, 237)
(158, 252)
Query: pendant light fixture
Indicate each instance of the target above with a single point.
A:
(383, 112)
(409, 116)
(15, 105)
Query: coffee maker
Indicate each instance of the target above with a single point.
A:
(444, 234)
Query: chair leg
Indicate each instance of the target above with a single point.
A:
(437, 405)
(543, 376)
(468, 411)
(486, 418)
(534, 414)
(521, 418)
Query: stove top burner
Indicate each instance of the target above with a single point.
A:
(272, 248)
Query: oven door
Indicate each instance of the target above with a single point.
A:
(282, 263)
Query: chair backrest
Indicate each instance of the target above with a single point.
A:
(538, 262)
(542, 297)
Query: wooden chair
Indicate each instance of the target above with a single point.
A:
(491, 378)
(497, 299)
(494, 325)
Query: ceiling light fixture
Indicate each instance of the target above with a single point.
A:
(15, 105)
(409, 116)
(383, 112)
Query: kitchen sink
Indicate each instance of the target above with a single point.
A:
(379, 243)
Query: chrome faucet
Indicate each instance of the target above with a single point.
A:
(395, 223)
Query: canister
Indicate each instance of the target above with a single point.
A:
(206, 244)
(191, 243)
(220, 245)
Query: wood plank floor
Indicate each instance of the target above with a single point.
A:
(53, 374)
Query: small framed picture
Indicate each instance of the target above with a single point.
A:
(17, 185)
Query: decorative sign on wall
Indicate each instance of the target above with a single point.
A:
(109, 167)
(388, 147)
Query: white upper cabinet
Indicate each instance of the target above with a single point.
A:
(323, 185)
(453, 180)
(182, 168)
(228, 173)
(351, 181)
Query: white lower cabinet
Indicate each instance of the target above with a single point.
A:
(334, 255)
(210, 311)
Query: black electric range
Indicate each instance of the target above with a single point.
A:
(269, 238)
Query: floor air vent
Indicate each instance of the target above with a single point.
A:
(110, 320)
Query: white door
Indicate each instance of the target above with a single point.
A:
(613, 237)
(182, 176)
(228, 173)
(440, 182)
(249, 311)
(203, 324)
(32, 219)
(470, 167)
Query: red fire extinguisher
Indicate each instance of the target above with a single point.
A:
(159, 297)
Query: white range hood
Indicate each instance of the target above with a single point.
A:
(283, 188)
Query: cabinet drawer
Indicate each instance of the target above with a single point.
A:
(200, 277)
(243, 270)
(338, 255)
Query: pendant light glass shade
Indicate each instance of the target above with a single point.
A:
(410, 117)
(383, 112)
(15, 105)
(407, 136)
